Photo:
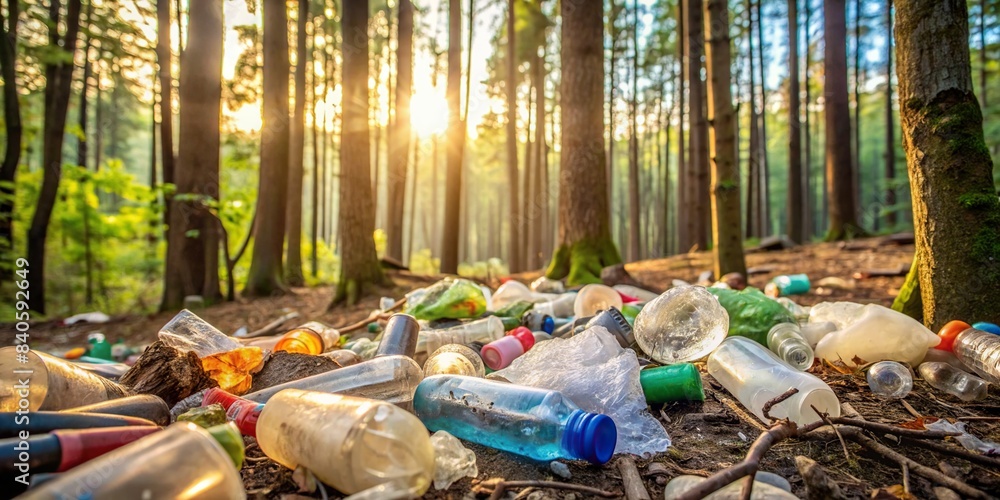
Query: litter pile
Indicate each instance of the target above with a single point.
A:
(544, 373)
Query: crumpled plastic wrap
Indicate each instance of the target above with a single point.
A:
(448, 298)
(842, 314)
(188, 332)
(452, 460)
(594, 371)
(968, 441)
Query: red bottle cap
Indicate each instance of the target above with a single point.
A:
(79, 446)
(627, 299)
(524, 335)
(949, 332)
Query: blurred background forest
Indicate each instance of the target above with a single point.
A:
(106, 243)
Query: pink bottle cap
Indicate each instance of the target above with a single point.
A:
(524, 335)
(501, 352)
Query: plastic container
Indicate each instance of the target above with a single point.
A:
(683, 325)
(890, 380)
(40, 422)
(976, 349)
(343, 357)
(349, 443)
(987, 327)
(188, 332)
(454, 359)
(879, 334)
(561, 307)
(241, 411)
(814, 332)
(399, 338)
(536, 423)
(665, 384)
(181, 461)
(145, 406)
(49, 383)
(756, 375)
(785, 340)
(100, 348)
(483, 330)
(536, 321)
(501, 352)
(594, 298)
(783, 286)
(389, 378)
(947, 378)
(311, 338)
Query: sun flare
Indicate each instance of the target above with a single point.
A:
(428, 113)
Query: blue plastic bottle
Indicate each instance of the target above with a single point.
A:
(536, 423)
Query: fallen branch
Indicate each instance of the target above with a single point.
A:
(374, 316)
(272, 327)
(826, 418)
(634, 488)
(955, 452)
(766, 410)
(502, 486)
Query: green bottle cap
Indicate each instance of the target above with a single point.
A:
(228, 435)
(510, 323)
(680, 382)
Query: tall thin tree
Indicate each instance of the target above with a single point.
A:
(296, 155)
(510, 89)
(795, 185)
(683, 208)
(890, 125)
(635, 220)
(698, 170)
(164, 60)
(12, 121)
(399, 139)
(456, 142)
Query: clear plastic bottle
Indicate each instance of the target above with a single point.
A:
(50, 383)
(947, 378)
(389, 378)
(349, 443)
(683, 325)
(311, 338)
(756, 375)
(536, 423)
(976, 349)
(188, 332)
(454, 359)
(501, 352)
(561, 307)
(343, 357)
(482, 330)
(890, 379)
(595, 298)
(181, 461)
(785, 340)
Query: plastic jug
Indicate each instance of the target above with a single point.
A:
(349, 443)
(756, 375)
(483, 330)
(595, 298)
(536, 423)
(182, 461)
(879, 334)
(785, 340)
(665, 384)
(49, 383)
(947, 378)
(311, 338)
(976, 349)
(501, 352)
(684, 324)
(454, 359)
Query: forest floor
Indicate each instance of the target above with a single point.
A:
(707, 436)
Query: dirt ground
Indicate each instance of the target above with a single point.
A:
(706, 436)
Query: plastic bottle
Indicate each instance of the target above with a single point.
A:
(785, 340)
(890, 379)
(146, 406)
(399, 337)
(311, 338)
(501, 352)
(546, 285)
(50, 383)
(483, 330)
(561, 307)
(343, 357)
(454, 359)
(365, 348)
(595, 298)
(665, 384)
(987, 327)
(188, 332)
(100, 348)
(181, 461)
(879, 334)
(536, 423)
(536, 321)
(614, 321)
(782, 286)
(976, 349)
(349, 443)
(40, 422)
(756, 375)
(947, 378)
(241, 411)
(684, 324)
(814, 332)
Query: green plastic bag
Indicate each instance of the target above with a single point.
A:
(751, 313)
(447, 299)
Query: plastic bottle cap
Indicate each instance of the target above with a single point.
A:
(524, 336)
(615, 322)
(548, 324)
(680, 382)
(590, 436)
(501, 352)
(987, 327)
(949, 332)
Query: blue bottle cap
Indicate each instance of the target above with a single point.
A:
(548, 325)
(590, 437)
(987, 327)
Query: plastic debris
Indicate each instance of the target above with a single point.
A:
(682, 325)
(785, 340)
(733, 491)
(95, 317)
(448, 298)
(783, 286)
(56, 384)
(841, 314)
(570, 365)
(751, 313)
(977, 349)
(205, 416)
(890, 379)
(454, 359)
(664, 384)
(452, 460)
(188, 332)
(879, 334)
(968, 441)
(546, 285)
(593, 299)
(947, 378)
(560, 469)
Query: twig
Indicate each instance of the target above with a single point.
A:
(955, 452)
(255, 459)
(911, 409)
(746, 492)
(743, 415)
(892, 429)
(273, 326)
(979, 419)
(374, 316)
(906, 479)
(766, 410)
(826, 418)
(502, 486)
(634, 488)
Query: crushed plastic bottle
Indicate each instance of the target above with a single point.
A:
(594, 298)
(454, 359)
(890, 380)
(452, 460)
(311, 338)
(55, 383)
(785, 340)
(665, 384)
(349, 443)
(483, 330)
(842, 314)
(536, 423)
(879, 334)
(499, 353)
(947, 378)
(976, 349)
(737, 357)
(684, 324)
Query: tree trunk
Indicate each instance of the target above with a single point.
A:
(753, 168)
(635, 219)
(683, 209)
(842, 205)
(698, 170)
(539, 206)
(728, 247)
(399, 143)
(585, 245)
(982, 52)
(58, 81)
(192, 266)
(81, 148)
(610, 168)
(528, 195)
(314, 220)
(99, 122)
(414, 171)
(856, 128)
(164, 58)
(456, 143)
(890, 126)
(956, 212)
(795, 188)
(296, 157)
(510, 87)
(12, 121)
(764, 188)
(359, 266)
(807, 200)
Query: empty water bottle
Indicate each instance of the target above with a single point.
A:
(560, 307)
(536, 423)
(976, 349)
(49, 383)
(483, 330)
(890, 379)
(454, 359)
(684, 324)
(596, 298)
(947, 378)
(785, 340)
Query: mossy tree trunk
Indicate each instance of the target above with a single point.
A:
(956, 213)
(585, 245)
(359, 266)
(726, 231)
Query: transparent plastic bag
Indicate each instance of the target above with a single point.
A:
(448, 298)
(452, 460)
(594, 371)
(751, 313)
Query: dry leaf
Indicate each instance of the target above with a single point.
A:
(894, 492)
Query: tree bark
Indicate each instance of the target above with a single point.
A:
(698, 170)
(584, 236)
(58, 81)
(856, 128)
(510, 88)
(635, 219)
(296, 157)
(982, 52)
(810, 222)
(164, 62)
(956, 212)
(795, 188)
(842, 204)
(456, 143)
(764, 187)
(359, 266)
(12, 121)
(192, 243)
(314, 220)
(890, 126)
(610, 169)
(399, 143)
(754, 217)
(538, 204)
(683, 209)
(726, 231)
